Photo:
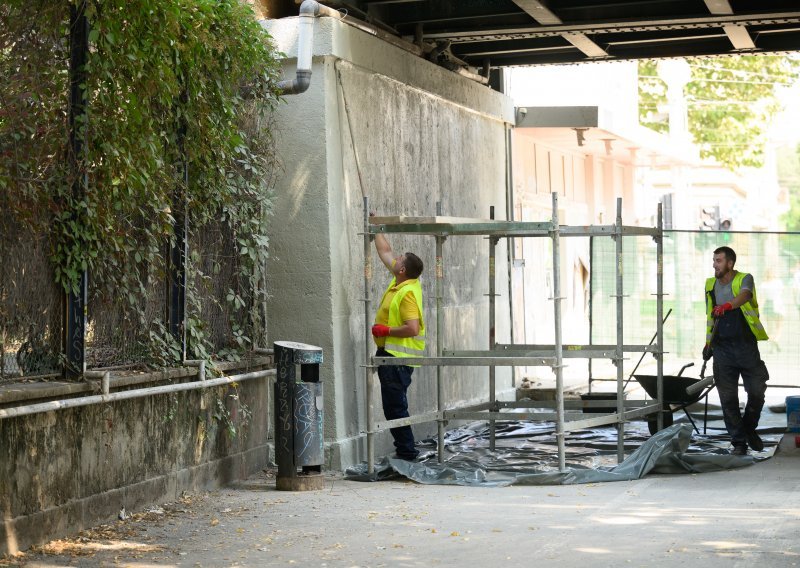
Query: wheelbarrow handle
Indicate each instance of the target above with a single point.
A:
(686, 366)
(699, 385)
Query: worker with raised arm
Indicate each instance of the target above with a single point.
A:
(732, 305)
(399, 331)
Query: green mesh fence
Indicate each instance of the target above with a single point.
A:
(30, 305)
(772, 258)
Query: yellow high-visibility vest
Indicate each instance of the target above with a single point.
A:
(405, 346)
(749, 308)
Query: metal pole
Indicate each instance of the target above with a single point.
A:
(591, 305)
(368, 340)
(75, 301)
(130, 394)
(177, 248)
(439, 340)
(510, 244)
(492, 341)
(660, 318)
(555, 235)
(618, 354)
(178, 252)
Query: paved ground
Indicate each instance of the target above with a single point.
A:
(744, 517)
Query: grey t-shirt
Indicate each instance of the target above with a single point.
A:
(732, 326)
(724, 292)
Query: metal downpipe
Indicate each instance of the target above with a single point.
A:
(309, 10)
(127, 395)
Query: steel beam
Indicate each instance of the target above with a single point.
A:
(408, 421)
(652, 25)
(739, 37)
(542, 14)
(719, 7)
(737, 33)
(433, 227)
(570, 351)
(466, 361)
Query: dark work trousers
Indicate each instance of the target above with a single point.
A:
(731, 359)
(395, 380)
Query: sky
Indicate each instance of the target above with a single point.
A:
(785, 128)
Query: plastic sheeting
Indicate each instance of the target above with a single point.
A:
(526, 453)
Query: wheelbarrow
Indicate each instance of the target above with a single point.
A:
(679, 392)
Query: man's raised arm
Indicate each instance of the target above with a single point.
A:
(384, 248)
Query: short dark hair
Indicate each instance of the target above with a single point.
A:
(413, 265)
(728, 252)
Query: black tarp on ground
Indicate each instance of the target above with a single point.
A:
(526, 453)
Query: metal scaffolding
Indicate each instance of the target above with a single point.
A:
(515, 355)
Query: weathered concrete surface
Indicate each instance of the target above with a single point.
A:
(65, 470)
(410, 134)
(738, 518)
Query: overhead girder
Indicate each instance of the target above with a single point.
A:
(498, 33)
(704, 22)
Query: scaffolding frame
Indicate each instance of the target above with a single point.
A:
(516, 355)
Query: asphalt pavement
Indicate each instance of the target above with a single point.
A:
(742, 517)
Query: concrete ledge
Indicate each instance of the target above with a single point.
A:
(68, 469)
(70, 518)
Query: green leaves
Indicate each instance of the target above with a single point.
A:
(155, 69)
(730, 100)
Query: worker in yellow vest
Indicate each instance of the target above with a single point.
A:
(732, 305)
(399, 331)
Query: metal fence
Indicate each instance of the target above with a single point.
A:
(30, 304)
(227, 305)
(772, 258)
(125, 328)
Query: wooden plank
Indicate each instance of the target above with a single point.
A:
(404, 219)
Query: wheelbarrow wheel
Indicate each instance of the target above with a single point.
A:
(652, 422)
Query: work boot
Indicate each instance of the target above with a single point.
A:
(754, 440)
(739, 451)
(407, 457)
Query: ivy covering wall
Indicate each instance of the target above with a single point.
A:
(155, 68)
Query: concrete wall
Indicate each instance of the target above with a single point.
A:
(66, 470)
(410, 134)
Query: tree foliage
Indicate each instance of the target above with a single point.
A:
(789, 178)
(731, 101)
(155, 67)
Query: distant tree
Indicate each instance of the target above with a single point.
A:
(789, 178)
(731, 101)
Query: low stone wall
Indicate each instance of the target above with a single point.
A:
(66, 470)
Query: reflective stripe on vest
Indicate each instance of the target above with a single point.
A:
(405, 346)
(749, 308)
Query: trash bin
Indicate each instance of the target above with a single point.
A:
(299, 450)
(793, 413)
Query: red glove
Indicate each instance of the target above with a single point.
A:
(719, 311)
(379, 330)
